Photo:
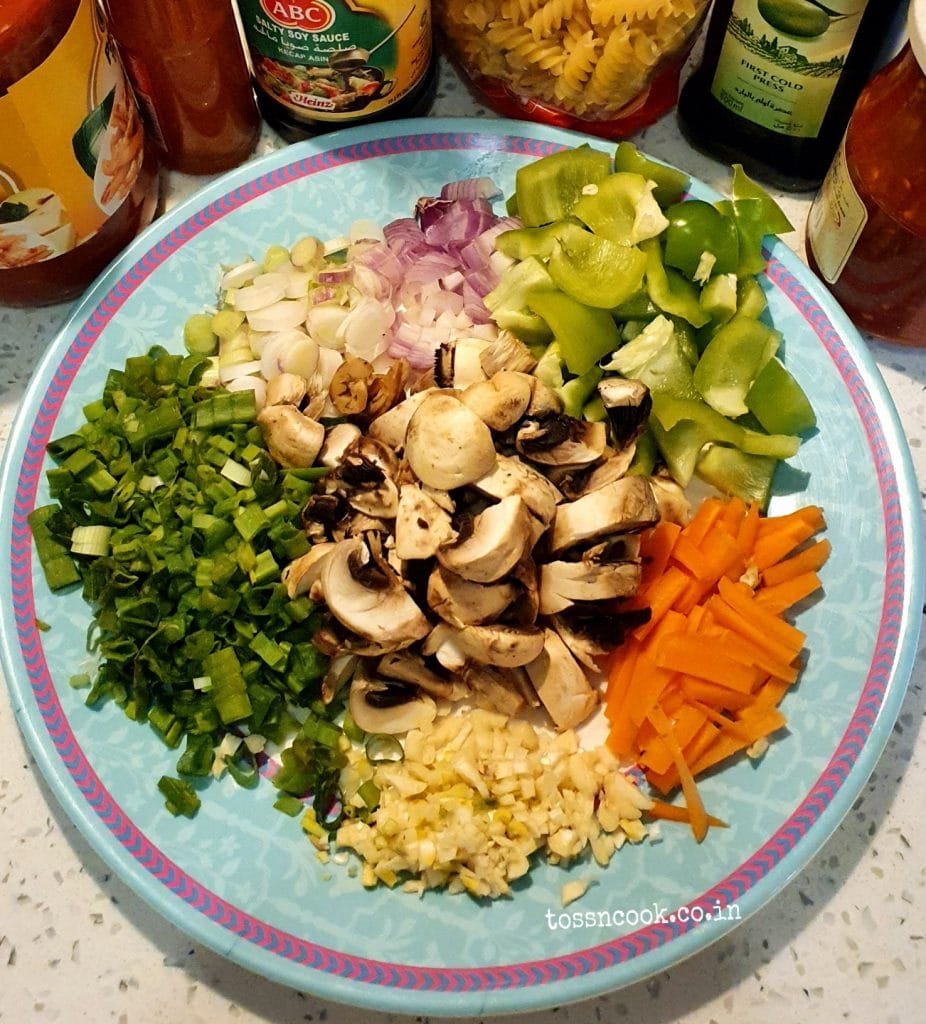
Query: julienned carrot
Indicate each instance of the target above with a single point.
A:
(662, 811)
(701, 681)
(782, 596)
(809, 559)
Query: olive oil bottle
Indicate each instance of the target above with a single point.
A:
(778, 82)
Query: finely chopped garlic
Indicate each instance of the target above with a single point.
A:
(478, 793)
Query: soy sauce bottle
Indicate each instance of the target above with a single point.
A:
(778, 82)
(324, 64)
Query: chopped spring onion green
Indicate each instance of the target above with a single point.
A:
(179, 796)
(289, 805)
(193, 629)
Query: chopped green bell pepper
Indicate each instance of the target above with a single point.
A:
(718, 298)
(778, 402)
(695, 228)
(576, 392)
(668, 289)
(595, 270)
(520, 243)
(732, 361)
(507, 302)
(622, 208)
(750, 298)
(548, 189)
(753, 223)
(671, 412)
(671, 184)
(584, 334)
(744, 187)
(657, 358)
(737, 473)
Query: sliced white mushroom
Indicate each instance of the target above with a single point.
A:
(506, 352)
(447, 445)
(561, 684)
(388, 706)
(564, 583)
(562, 441)
(422, 527)
(492, 644)
(409, 667)
(512, 476)
(441, 643)
(294, 440)
(337, 440)
(299, 576)
(391, 426)
(461, 602)
(495, 689)
(601, 474)
(673, 504)
(625, 505)
(457, 364)
(628, 404)
(368, 598)
(285, 389)
(366, 477)
(501, 536)
(544, 401)
(501, 400)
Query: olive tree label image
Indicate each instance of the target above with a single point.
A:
(781, 60)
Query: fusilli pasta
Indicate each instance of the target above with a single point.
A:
(590, 58)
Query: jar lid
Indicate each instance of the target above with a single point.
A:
(916, 25)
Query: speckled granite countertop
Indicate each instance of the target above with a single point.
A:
(845, 940)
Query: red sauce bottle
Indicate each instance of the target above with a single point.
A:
(76, 179)
(187, 65)
(866, 232)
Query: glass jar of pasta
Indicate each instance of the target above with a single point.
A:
(606, 67)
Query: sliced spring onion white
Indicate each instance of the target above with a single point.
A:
(279, 316)
(241, 275)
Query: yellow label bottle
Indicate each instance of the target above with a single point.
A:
(75, 181)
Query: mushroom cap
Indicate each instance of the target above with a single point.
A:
(501, 400)
(377, 607)
(561, 684)
(447, 445)
(366, 477)
(494, 644)
(292, 438)
(299, 576)
(622, 506)
(421, 525)
(388, 706)
(562, 441)
(409, 667)
(462, 602)
(391, 426)
(628, 404)
(564, 583)
(286, 389)
(502, 534)
(337, 440)
(512, 476)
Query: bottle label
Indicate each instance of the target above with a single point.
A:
(836, 219)
(781, 60)
(336, 61)
(71, 146)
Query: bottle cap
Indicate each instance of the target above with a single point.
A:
(916, 25)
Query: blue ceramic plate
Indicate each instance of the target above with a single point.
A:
(241, 878)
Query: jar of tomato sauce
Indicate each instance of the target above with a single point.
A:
(186, 62)
(866, 232)
(76, 180)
